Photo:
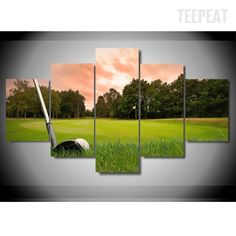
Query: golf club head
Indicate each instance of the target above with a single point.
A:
(70, 145)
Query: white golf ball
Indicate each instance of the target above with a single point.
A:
(83, 143)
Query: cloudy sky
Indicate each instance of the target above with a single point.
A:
(164, 72)
(75, 77)
(115, 68)
(10, 84)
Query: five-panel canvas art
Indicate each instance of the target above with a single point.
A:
(117, 110)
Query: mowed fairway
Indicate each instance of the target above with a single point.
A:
(65, 129)
(117, 140)
(70, 129)
(26, 130)
(162, 138)
(207, 130)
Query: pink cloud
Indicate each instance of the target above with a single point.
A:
(10, 84)
(129, 68)
(75, 77)
(101, 72)
(164, 72)
(115, 68)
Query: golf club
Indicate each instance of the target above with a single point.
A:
(78, 144)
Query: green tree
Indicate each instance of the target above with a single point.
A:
(130, 100)
(101, 107)
(79, 106)
(18, 98)
(66, 104)
(112, 103)
(207, 98)
(55, 103)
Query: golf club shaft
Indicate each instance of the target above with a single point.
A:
(47, 120)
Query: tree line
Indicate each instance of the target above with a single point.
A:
(207, 98)
(23, 101)
(157, 100)
(204, 98)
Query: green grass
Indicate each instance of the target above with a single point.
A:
(207, 130)
(163, 148)
(26, 130)
(117, 157)
(117, 140)
(30, 130)
(117, 146)
(73, 154)
(69, 129)
(162, 138)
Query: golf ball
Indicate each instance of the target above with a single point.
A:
(83, 143)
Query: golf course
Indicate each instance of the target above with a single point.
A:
(117, 146)
(161, 135)
(26, 130)
(34, 130)
(207, 129)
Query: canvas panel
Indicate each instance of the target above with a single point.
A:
(24, 116)
(162, 110)
(72, 109)
(117, 96)
(207, 110)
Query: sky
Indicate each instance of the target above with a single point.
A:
(115, 68)
(10, 84)
(165, 72)
(75, 77)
